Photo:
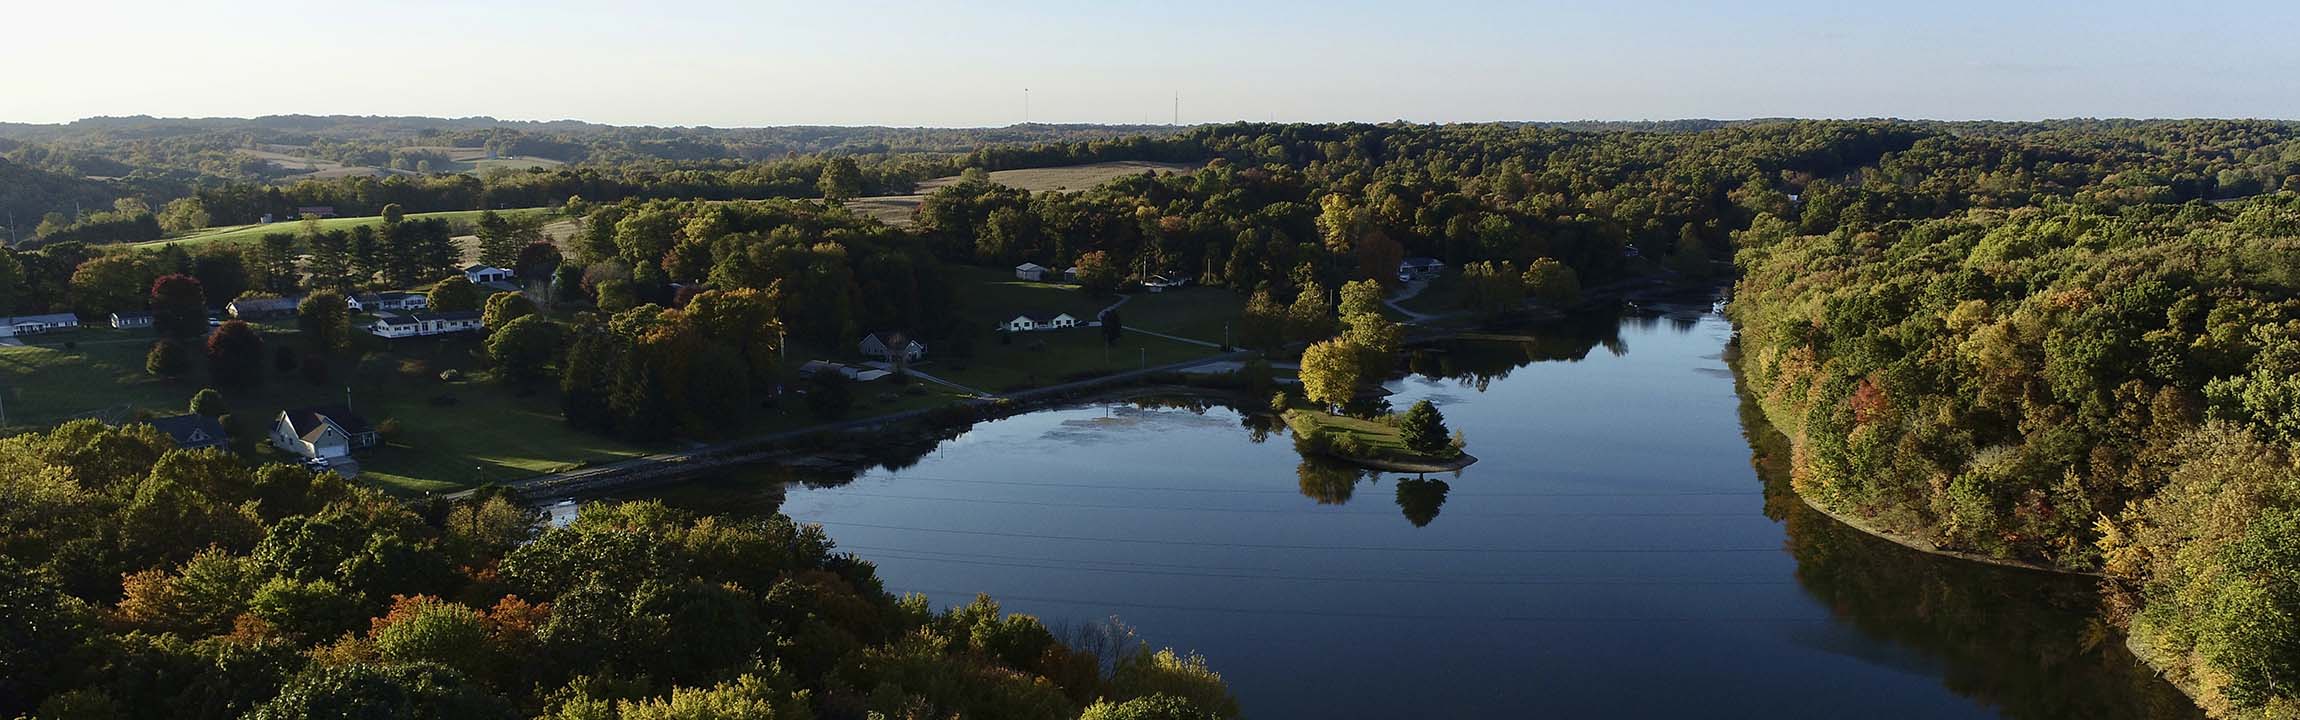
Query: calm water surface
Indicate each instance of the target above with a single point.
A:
(1617, 553)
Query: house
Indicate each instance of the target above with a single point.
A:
(37, 324)
(131, 320)
(1030, 271)
(395, 300)
(482, 273)
(815, 368)
(248, 308)
(325, 211)
(1160, 283)
(423, 324)
(192, 432)
(1028, 322)
(325, 436)
(890, 345)
(1419, 268)
(1070, 275)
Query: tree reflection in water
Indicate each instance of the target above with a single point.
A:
(1328, 482)
(1420, 498)
(2031, 644)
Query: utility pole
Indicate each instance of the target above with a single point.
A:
(1177, 109)
(1026, 106)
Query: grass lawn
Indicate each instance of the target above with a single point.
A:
(1198, 313)
(989, 297)
(452, 434)
(249, 233)
(1379, 437)
(1444, 295)
(1068, 177)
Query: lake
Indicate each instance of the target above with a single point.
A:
(1625, 548)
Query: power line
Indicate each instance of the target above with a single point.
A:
(1289, 511)
(1289, 546)
(1259, 574)
(1295, 612)
(1279, 491)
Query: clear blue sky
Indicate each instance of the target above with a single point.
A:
(966, 63)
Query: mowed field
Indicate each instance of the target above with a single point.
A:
(250, 233)
(988, 297)
(452, 434)
(899, 209)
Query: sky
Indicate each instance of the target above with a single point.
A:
(968, 63)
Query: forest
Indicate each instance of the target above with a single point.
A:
(2070, 344)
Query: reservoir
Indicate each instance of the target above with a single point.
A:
(1626, 547)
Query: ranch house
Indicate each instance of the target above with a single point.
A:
(131, 320)
(395, 300)
(37, 324)
(1029, 322)
(261, 308)
(424, 324)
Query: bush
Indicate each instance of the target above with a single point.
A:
(389, 428)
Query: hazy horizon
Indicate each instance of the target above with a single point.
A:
(719, 63)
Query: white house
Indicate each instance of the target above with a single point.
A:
(326, 434)
(394, 300)
(1419, 268)
(1030, 271)
(890, 345)
(247, 308)
(131, 320)
(424, 324)
(481, 274)
(1028, 322)
(36, 324)
(1160, 283)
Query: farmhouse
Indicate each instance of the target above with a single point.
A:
(324, 435)
(392, 325)
(192, 432)
(1028, 322)
(482, 273)
(260, 308)
(391, 300)
(1030, 271)
(890, 345)
(1419, 268)
(36, 324)
(131, 320)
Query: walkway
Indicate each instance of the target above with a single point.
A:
(1411, 289)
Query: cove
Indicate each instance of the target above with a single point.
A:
(1626, 547)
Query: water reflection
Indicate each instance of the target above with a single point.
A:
(1420, 499)
(2031, 644)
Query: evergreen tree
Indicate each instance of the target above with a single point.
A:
(1424, 430)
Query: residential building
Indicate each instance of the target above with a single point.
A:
(1419, 268)
(392, 300)
(192, 432)
(423, 324)
(131, 320)
(1028, 322)
(37, 324)
(247, 308)
(891, 345)
(1030, 271)
(481, 274)
(814, 368)
(325, 436)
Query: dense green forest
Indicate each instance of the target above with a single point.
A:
(141, 581)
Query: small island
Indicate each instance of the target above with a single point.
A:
(1414, 441)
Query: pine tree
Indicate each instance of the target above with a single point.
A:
(1425, 431)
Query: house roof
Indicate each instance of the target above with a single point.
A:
(189, 430)
(1043, 317)
(395, 319)
(308, 421)
(48, 319)
(450, 316)
(1030, 266)
(891, 339)
(1421, 262)
(265, 303)
(132, 315)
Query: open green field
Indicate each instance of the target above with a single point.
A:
(1198, 313)
(1444, 295)
(898, 209)
(989, 297)
(249, 233)
(1381, 438)
(452, 434)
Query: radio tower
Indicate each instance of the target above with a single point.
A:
(1177, 109)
